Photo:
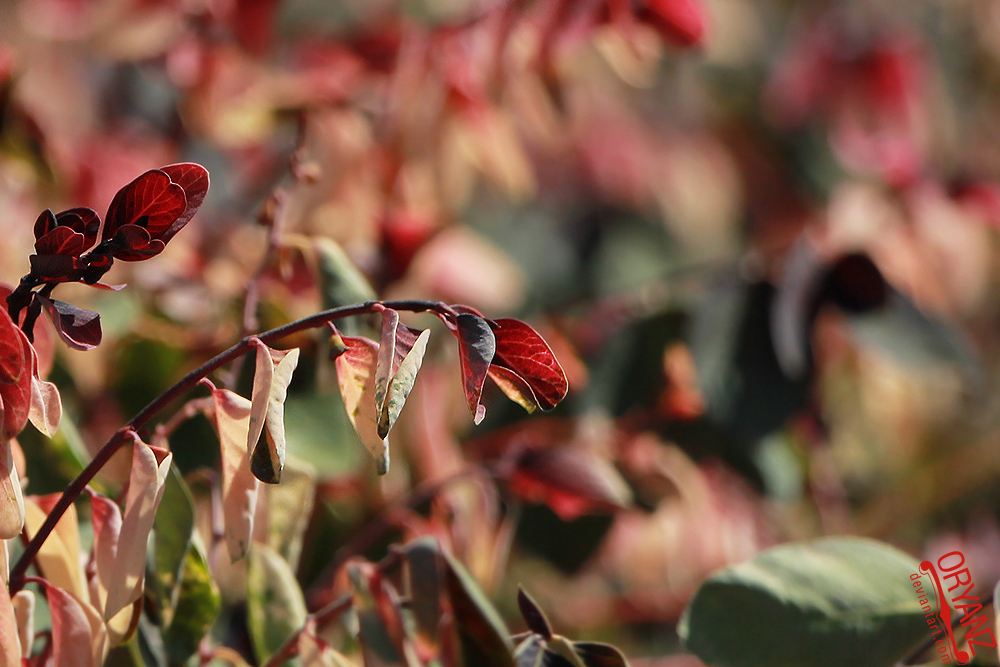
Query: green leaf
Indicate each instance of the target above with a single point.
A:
(198, 603)
(318, 431)
(275, 606)
(485, 639)
(341, 283)
(825, 603)
(289, 506)
(172, 528)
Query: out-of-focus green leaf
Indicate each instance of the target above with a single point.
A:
(198, 603)
(146, 647)
(172, 527)
(825, 603)
(341, 283)
(318, 431)
(275, 606)
(424, 585)
(484, 636)
(289, 506)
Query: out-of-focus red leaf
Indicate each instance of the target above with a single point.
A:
(15, 377)
(682, 22)
(151, 201)
(520, 349)
(79, 328)
(477, 346)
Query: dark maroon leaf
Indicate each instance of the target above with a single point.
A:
(193, 179)
(133, 244)
(476, 348)
(151, 201)
(45, 223)
(533, 614)
(521, 350)
(80, 219)
(79, 328)
(481, 630)
(61, 241)
(55, 267)
(595, 654)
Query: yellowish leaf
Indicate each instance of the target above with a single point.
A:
(59, 557)
(45, 410)
(10, 641)
(11, 499)
(356, 376)
(239, 486)
(402, 384)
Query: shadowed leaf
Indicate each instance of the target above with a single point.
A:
(533, 615)
(402, 383)
(79, 328)
(476, 348)
(173, 528)
(275, 607)
(197, 605)
(484, 636)
(595, 654)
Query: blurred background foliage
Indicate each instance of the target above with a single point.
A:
(767, 263)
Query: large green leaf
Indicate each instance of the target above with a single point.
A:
(275, 606)
(172, 527)
(832, 602)
(484, 637)
(197, 604)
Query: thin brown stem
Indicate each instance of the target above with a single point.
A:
(189, 381)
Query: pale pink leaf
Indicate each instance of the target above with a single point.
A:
(10, 639)
(79, 638)
(239, 486)
(268, 457)
(11, 499)
(145, 489)
(356, 376)
(384, 368)
(106, 519)
(262, 378)
(24, 616)
(45, 410)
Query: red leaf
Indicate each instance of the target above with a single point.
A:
(136, 244)
(476, 348)
(79, 328)
(520, 349)
(151, 201)
(193, 179)
(682, 22)
(15, 377)
(45, 223)
(61, 241)
(80, 219)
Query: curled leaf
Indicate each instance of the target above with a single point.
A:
(476, 348)
(147, 478)
(79, 637)
(45, 411)
(266, 438)
(79, 328)
(402, 384)
(525, 367)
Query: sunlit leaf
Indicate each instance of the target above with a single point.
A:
(193, 179)
(46, 406)
(106, 520)
(267, 412)
(521, 350)
(476, 348)
(15, 377)
(152, 201)
(12, 509)
(24, 616)
(147, 478)
(79, 638)
(356, 377)
(275, 606)
(402, 384)
(59, 556)
(239, 486)
(385, 367)
(10, 638)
